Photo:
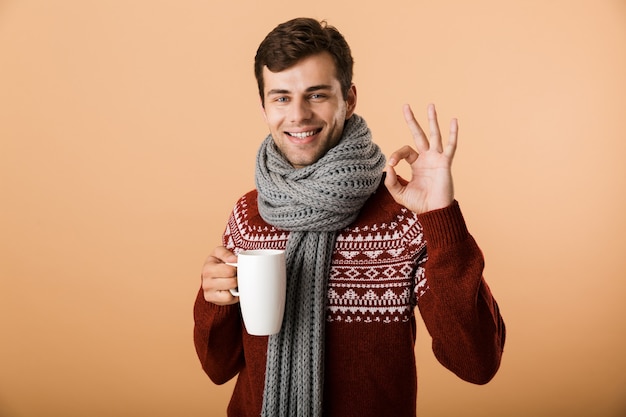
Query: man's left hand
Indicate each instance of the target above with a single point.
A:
(430, 187)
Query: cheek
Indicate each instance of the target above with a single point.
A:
(272, 119)
(340, 114)
(340, 120)
(271, 123)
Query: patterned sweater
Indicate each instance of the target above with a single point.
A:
(383, 266)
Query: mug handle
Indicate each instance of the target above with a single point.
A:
(233, 291)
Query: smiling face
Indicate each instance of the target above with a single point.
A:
(305, 108)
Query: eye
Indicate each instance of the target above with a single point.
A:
(317, 96)
(282, 99)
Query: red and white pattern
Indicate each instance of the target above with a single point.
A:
(377, 271)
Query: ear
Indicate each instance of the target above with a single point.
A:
(351, 101)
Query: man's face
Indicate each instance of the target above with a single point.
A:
(305, 109)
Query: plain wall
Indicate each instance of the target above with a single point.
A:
(129, 128)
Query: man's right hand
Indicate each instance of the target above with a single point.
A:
(218, 278)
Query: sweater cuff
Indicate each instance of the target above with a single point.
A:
(444, 226)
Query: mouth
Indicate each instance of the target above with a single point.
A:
(303, 137)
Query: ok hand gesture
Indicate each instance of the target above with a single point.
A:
(430, 187)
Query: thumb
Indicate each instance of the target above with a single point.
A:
(391, 181)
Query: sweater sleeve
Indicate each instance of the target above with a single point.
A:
(458, 309)
(218, 339)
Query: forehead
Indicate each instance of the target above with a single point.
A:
(318, 69)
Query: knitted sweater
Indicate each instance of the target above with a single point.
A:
(386, 263)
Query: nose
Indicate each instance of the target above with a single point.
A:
(300, 110)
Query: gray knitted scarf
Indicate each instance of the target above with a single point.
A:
(313, 203)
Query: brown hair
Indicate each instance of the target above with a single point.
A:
(299, 38)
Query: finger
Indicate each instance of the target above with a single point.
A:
(452, 139)
(224, 255)
(391, 178)
(406, 152)
(391, 182)
(216, 275)
(211, 271)
(419, 137)
(219, 284)
(435, 134)
(220, 297)
(216, 290)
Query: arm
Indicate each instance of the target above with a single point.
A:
(217, 321)
(458, 309)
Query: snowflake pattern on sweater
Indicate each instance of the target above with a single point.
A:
(377, 273)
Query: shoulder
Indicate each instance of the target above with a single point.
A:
(384, 222)
(246, 229)
(248, 201)
(381, 207)
(246, 210)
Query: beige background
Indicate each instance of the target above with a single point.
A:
(129, 128)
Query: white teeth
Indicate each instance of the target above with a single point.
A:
(301, 135)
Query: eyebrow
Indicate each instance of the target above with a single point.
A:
(308, 90)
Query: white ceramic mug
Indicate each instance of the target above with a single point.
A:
(262, 283)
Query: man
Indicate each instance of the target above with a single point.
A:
(360, 255)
